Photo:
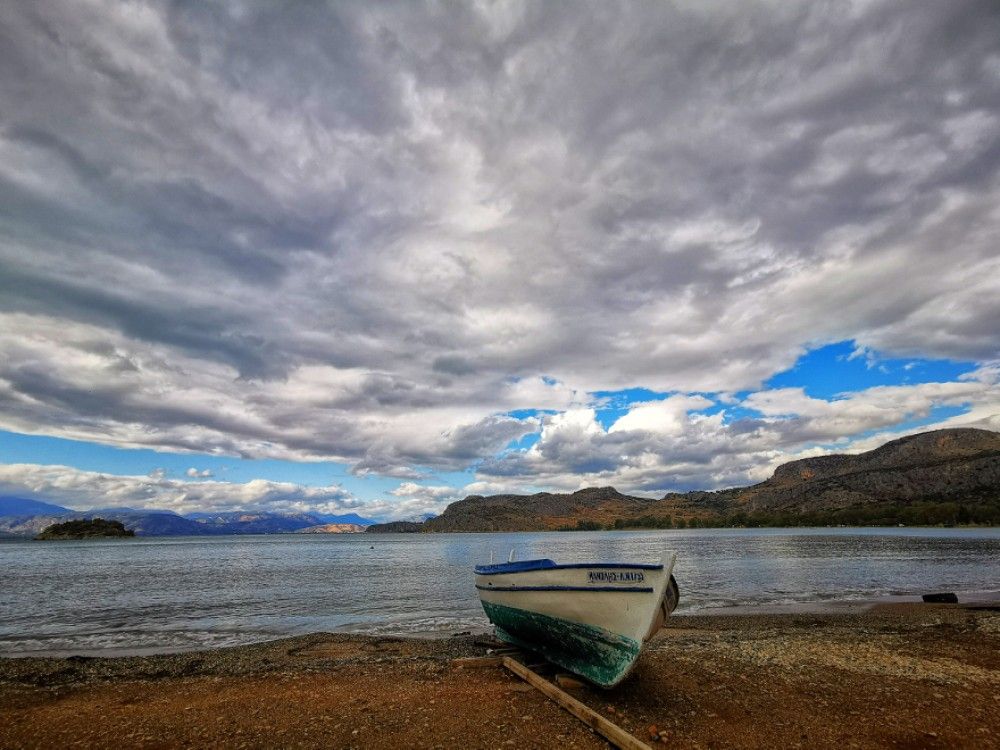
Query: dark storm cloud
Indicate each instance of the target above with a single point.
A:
(364, 232)
(193, 329)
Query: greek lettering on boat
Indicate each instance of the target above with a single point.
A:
(615, 576)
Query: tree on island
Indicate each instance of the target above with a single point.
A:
(85, 528)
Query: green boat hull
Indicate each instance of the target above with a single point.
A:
(603, 657)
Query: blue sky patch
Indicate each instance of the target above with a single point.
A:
(41, 449)
(839, 368)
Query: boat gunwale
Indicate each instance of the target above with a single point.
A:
(527, 566)
(595, 589)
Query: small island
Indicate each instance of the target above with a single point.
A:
(85, 528)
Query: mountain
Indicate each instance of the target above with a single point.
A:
(18, 506)
(420, 517)
(143, 523)
(544, 510)
(958, 465)
(938, 465)
(126, 509)
(346, 518)
(249, 522)
(333, 528)
(245, 516)
(943, 476)
(29, 525)
(596, 506)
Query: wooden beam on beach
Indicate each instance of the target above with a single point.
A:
(568, 681)
(611, 732)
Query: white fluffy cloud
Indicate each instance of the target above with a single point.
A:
(669, 416)
(670, 444)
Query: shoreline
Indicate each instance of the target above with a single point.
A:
(918, 675)
(801, 608)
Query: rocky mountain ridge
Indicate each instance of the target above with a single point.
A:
(941, 465)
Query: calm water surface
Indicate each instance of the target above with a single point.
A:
(165, 594)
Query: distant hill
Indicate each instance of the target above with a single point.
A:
(19, 506)
(346, 518)
(943, 476)
(333, 528)
(396, 527)
(543, 510)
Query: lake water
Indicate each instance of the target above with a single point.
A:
(166, 594)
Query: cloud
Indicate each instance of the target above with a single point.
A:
(85, 489)
(662, 417)
(64, 378)
(196, 474)
(412, 500)
(370, 233)
(673, 445)
(412, 489)
(415, 499)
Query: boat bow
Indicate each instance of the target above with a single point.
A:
(590, 618)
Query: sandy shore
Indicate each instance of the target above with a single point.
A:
(916, 676)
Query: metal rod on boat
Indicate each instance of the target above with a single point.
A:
(510, 558)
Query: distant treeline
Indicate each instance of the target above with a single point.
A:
(915, 514)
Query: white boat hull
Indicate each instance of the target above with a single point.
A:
(590, 618)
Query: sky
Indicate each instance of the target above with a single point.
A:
(373, 258)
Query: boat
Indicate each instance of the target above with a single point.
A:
(592, 619)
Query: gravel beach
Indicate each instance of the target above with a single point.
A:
(909, 676)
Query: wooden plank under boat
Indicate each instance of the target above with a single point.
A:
(592, 619)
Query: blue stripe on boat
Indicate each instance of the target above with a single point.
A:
(523, 566)
(635, 566)
(623, 589)
(515, 567)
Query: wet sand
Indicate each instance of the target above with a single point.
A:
(908, 676)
